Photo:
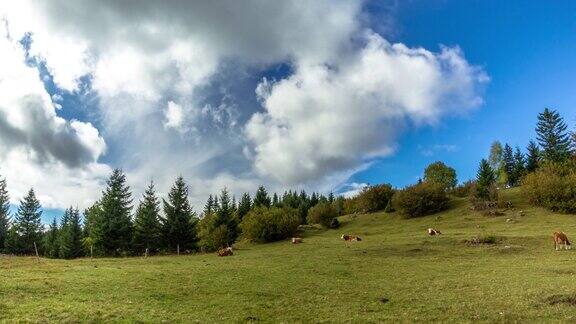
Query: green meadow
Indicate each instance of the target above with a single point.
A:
(396, 273)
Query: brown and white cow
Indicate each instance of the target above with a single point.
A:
(351, 238)
(297, 240)
(561, 240)
(225, 252)
(432, 232)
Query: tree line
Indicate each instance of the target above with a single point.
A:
(113, 227)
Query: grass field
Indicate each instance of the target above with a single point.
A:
(396, 273)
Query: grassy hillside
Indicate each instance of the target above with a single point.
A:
(396, 273)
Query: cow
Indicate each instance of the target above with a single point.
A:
(433, 232)
(560, 239)
(297, 240)
(225, 252)
(351, 238)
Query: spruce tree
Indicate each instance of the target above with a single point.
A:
(519, 167)
(4, 214)
(331, 197)
(244, 206)
(533, 157)
(552, 136)
(484, 180)
(275, 201)
(147, 227)
(179, 229)
(261, 198)
(51, 244)
(209, 207)
(225, 217)
(508, 164)
(27, 224)
(71, 235)
(111, 230)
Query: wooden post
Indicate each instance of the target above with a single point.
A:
(178, 249)
(36, 249)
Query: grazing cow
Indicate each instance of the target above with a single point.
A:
(433, 232)
(225, 252)
(297, 240)
(560, 239)
(351, 238)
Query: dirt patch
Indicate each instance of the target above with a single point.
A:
(563, 299)
(383, 300)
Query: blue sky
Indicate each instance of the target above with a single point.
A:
(528, 50)
(273, 94)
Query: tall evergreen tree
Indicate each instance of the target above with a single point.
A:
(275, 200)
(179, 228)
(508, 163)
(552, 136)
(225, 217)
(519, 167)
(331, 197)
(111, 231)
(147, 227)
(4, 213)
(261, 199)
(52, 243)
(27, 224)
(485, 178)
(71, 235)
(244, 206)
(533, 157)
(209, 207)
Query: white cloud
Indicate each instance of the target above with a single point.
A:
(174, 115)
(38, 148)
(150, 64)
(329, 118)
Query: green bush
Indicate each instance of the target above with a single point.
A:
(463, 190)
(420, 200)
(270, 224)
(552, 186)
(323, 214)
(374, 198)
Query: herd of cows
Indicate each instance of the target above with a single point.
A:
(560, 241)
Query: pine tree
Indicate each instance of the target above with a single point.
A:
(27, 224)
(508, 164)
(552, 136)
(484, 180)
(111, 230)
(533, 157)
(209, 207)
(244, 206)
(519, 168)
(331, 197)
(314, 199)
(147, 227)
(52, 244)
(261, 198)
(275, 201)
(71, 235)
(179, 229)
(4, 214)
(225, 217)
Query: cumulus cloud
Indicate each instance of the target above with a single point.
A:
(37, 147)
(329, 118)
(157, 67)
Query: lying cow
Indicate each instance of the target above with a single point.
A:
(297, 240)
(560, 239)
(225, 252)
(351, 238)
(433, 232)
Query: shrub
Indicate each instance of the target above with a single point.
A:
(323, 214)
(552, 186)
(374, 198)
(440, 174)
(420, 200)
(270, 224)
(464, 189)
